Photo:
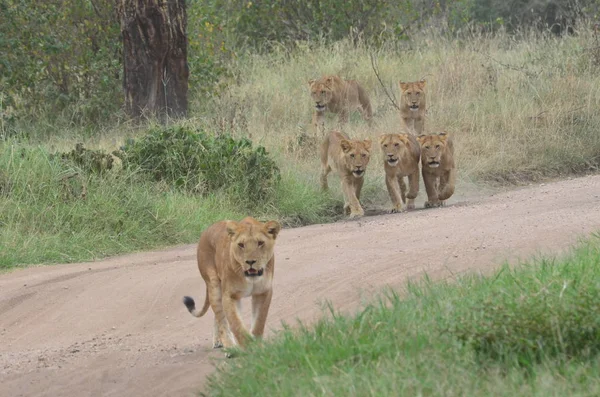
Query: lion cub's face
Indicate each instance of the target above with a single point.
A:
(393, 147)
(432, 148)
(413, 94)
(252, 245)
(357, 155)
(321, 92)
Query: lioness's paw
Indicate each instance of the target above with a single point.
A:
(217, 344)
(397, 210)
(432, 204)
(410, 206)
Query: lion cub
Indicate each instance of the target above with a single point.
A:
(236, 260)
(413, 105)
(340, 97)
(439, 171)
(401, 154)
(350, 159)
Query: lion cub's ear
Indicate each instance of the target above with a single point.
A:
(273, 228)
(231, 228)
(345, 145)
(311, 81)
(367, 143)
(403, 86)
(422, 83)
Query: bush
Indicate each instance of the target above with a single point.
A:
(197, 162)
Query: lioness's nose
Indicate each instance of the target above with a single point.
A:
(390, 155)
(251, 262)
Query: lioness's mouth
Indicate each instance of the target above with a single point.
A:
(319, 107)
(358, 173)
(253, 272)
(392, 161)
(414, 107)
(434, 164)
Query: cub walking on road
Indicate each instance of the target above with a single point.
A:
(413, 105)
(349, 157)
(401, 154)
(236, 260)
(439, 171)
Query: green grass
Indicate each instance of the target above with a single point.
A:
(533, 330)
(51, 212)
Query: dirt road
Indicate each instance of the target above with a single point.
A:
(118, 328)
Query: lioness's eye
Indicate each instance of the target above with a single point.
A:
(427, 147)
(261, 243)
(363, 155)
(352, 155)
(322, 92)
(437, 146)
(396, 144)
(241, 245)
(385, 145)
(418, 93)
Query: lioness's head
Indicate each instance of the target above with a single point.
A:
(432, 148)
(252, 245)
(321, 91)
(356, 155)
(393, 147)
(413, 94)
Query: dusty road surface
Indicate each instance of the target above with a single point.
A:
(118, 327)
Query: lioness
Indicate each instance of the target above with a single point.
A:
(439, 171)
(349, 158)
(401, 153)
(236, 260)
(413, 105)
(338, 96)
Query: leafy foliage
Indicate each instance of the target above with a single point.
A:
(198, 162)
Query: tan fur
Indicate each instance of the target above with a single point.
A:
(225, 254)
(338, 96)
(439, 180)
(350, 159)
(413, 105)
(401, 153)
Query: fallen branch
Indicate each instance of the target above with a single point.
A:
(381, 82)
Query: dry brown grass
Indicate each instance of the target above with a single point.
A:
(520, 107)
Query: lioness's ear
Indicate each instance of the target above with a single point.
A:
(345, 145)
(367, 143)
(443, 136)
(382, 138)
(421, 138)
(231, 228)
(273, 228)
(403, 86)
(329, 81)
(311, 81)
(422, 83)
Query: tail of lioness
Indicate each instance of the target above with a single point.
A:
(188, 301)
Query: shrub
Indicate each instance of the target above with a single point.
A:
(201, 163)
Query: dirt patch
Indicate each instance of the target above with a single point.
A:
(118, 327)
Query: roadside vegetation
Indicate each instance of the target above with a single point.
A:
(528, 330)
(519, 96)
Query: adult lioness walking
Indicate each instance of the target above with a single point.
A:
(349, 157)
(439, 170)
(338, 96)
(236, 260)
(401, 154)
(413, 105)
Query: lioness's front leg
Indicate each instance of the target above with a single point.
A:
(221, 330)
(413, 189)
(260, 309)
(235, 322)
(447, 182)
(350, 189)
(430, 182)
(393, 188)
(319, 122)
(419, 125)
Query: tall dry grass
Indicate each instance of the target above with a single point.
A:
(520, 107)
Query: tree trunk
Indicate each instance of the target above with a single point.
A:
(155, 75)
